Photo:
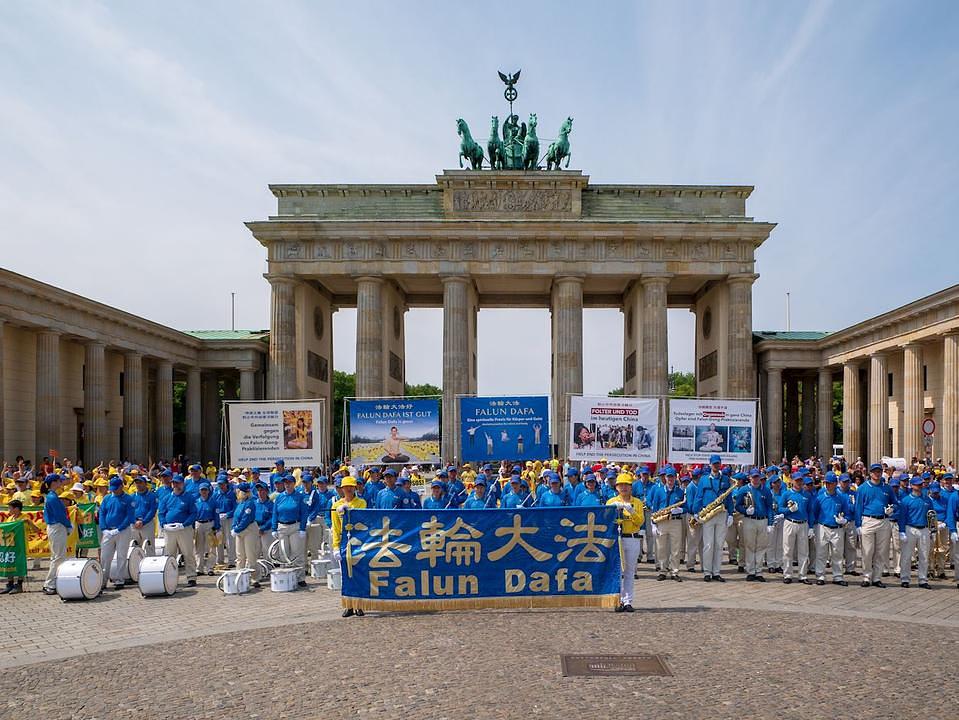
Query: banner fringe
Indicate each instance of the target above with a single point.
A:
(527, 602)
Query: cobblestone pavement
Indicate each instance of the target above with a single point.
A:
(738, 649)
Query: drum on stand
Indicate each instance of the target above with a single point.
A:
(158, 576)
(79, 579)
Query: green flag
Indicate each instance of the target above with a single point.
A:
(87, 526)
(13, 549)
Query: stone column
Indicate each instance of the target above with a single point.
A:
(824, 413)
(48, 394)
(740, 337)
(2, 444)
(792, 417)
(134, 438)
(369, 337)
(912, 403)
(808, 426)
(567, 341)
(851, 412)
(456, 358)
(655, 348)
(210, 404)
(282, 375)
(247, 384)
(878, 406)
(164, 409)
(94, 405)
(194, 418)
(774, 415)
(950, 400)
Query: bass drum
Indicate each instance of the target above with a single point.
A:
(79, 579)
(158, 576)
(134, 558)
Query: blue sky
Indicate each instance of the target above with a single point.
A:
(136, 138)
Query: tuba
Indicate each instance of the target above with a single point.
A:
(712, 509)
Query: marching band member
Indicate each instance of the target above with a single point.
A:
(630, 521)
(796, 531)
(289, 524)
(849, 529)
(875, 504)
(714, 531)
(207, 522)
(554, 496)
(830, 515)
(387, 498)
(58, 527)
(314, 500)
(177, 515)
(436, 500)
(913, 533)
(224, 497)
(755, 503)
(409, 499)
(590, 496)
(145, 505)
(263, 517)
(668, 533)
(734, 540)
(774, 553)
(352, 501)
(694, 536)
(244, 530)
(116, 515)
(937, 561)
(477, 499)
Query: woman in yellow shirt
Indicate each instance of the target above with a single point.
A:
(349, 500)
(630, 523)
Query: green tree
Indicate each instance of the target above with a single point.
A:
(422, 390)
(344, 386)
(681, 385)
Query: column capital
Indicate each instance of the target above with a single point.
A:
(370, 278)
(281, 279)
(912, 345)
(133, 354)
(742, 278)
(455, 278)
(655, 278)
(92, 343)
(49, 332)
(852, 363)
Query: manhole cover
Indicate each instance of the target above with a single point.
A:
(606, 665)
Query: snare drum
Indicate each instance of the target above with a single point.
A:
(158, 576)
(79, 579)
(283, 579)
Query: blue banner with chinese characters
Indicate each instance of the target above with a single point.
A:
(434, 559)
(515, 428)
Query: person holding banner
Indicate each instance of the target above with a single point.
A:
(15, 583)
(352, 502)
(58, 528)
(630, 522)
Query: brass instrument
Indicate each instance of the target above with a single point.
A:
(792, 505)
(712, 509)
(748, 501)
(663, 515)
(938, 547)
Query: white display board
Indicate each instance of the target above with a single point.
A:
(618, 429)
(262, 433)
(712, 426)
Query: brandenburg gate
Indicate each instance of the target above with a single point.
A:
(478, 239)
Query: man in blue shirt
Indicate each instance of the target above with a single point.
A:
(207, 524)
(694, 535)
(116, 516)
(177, 515)
(774, 553)
(224, 497)
(754, 503)
(875, 505)
(477, 499)
(938, 560)
(668, 533)
(914, 532)
(796, 508)
(710, 488)
(145, 504)
(830, 514)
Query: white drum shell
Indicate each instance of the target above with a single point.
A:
(79, 579)
(283, 579)
(319, 568)
(158, 576)
(235, 582)
(334, 580)
(135, 556)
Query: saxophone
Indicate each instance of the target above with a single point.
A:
(712, 509)
(663, 515)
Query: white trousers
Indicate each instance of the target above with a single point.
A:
(115, 546)
(774, 553)
(694, 543)
(668, 544)
(754, 537)
(629, 555)
(849, 546)
(875, 547)
(293, 545)
(915, 538)
(180, 542)
(830, 546)
(201, 542)
(226, 550)
(143, 537)
(247, 546)
(315, 535)
(714, 533)
(57, 537)
(795, 539)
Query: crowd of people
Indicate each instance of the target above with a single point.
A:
(802, 520)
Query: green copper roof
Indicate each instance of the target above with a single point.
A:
(228, 334)
(788, 335)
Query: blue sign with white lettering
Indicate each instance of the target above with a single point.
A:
(510, 428)
(416, 559)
